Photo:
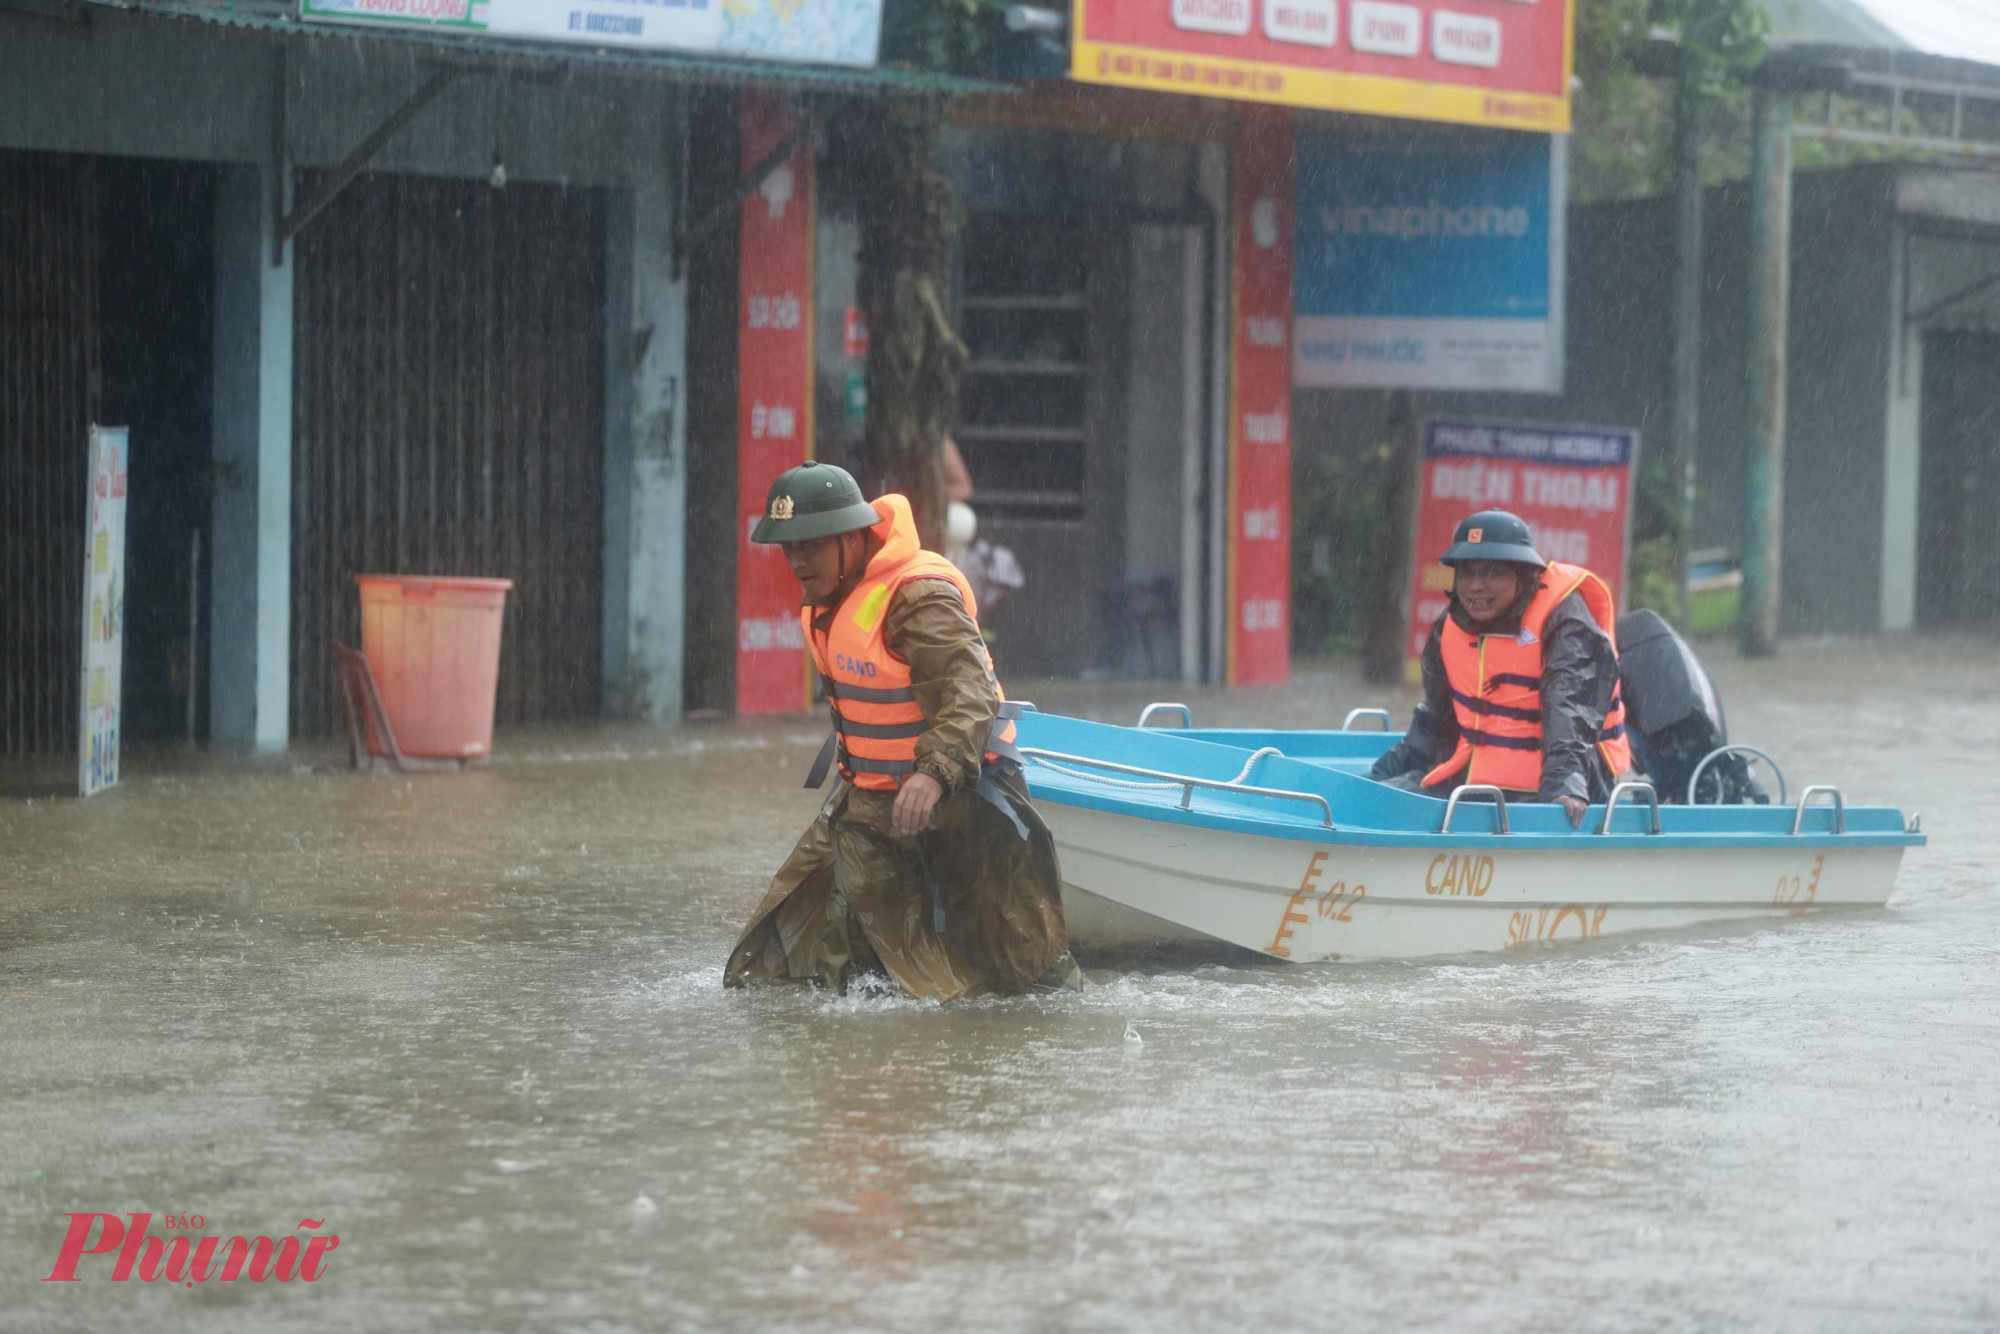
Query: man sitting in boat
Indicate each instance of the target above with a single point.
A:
(1520, 677)
(927, 863)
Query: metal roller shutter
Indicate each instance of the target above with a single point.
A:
(48, 398)
(448, 409)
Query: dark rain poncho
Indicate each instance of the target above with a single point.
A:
(855, 897)
(1579, 672)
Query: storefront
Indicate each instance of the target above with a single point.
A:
(1090, 295)
(1152, 294)
(371, 298)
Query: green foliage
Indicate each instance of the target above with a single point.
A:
(1340, 544)
(1621, 116)
(1649, 579)
(1659, 531)
(1623, 143)
(1721, 40)
(1617, 152)
(1656, 500)
(943, 36)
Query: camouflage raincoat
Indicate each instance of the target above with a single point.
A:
(855, 897)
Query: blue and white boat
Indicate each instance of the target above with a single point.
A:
(1275, 841)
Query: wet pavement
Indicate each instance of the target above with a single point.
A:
(474, 1026)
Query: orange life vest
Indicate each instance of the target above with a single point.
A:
(1496, 690)
(875, 709)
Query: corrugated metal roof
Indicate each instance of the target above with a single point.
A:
(283, 21)
(1949, 29)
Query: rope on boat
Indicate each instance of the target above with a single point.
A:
(1107, 779)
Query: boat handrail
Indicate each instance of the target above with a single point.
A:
(1187, 714)
(1620, 791)
(1388, 722)
(1186, 782)
(1733, 749)
(1451, 806)
(1839, 807)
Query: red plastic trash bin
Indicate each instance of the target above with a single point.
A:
(433, 644)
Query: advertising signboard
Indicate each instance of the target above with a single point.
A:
(1472, 62)
(1573, 484)
(774, 388)
(103, 609)
(1259, 597)
(832, 32)
(1430, 266)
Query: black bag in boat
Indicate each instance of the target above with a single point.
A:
(1674, 717)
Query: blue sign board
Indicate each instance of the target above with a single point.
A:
(1429, 265)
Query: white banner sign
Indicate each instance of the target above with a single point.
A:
(830, 32)
(103, 609)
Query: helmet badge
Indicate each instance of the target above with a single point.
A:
(781, 507)
(1472, 534)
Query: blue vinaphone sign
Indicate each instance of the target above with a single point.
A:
(1429, 265)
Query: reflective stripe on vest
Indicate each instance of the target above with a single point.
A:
(869, 689)
(1496, 691)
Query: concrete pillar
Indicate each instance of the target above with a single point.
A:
(1212, 187)
(1902, 452)
(645, 477)
(1686, 417)
(1770, 300)
(251, 516)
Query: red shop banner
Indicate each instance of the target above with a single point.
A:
(1573, 485)
(774, 428)
(1472, 62)
(1260, 424)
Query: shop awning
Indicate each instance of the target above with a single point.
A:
(1966, 31)
(1922, 75)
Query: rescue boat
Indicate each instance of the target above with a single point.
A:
(1177, 838)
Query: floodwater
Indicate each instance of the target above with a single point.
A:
(474, 1025)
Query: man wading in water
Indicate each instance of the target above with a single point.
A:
(927, 863)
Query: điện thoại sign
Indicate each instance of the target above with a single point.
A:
(1502, 63)
(831, 32)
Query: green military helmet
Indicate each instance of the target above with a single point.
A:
(1493, 535)
(811, 501)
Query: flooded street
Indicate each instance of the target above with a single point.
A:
(475, 1024)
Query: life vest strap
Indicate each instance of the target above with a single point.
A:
(869, 694)
(1488, 707)
(822, 762)
(881, 731)
(1479, 738)
(1004, 750)
(893, 768)
(989, 792)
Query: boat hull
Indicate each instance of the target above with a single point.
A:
(1136, 884)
